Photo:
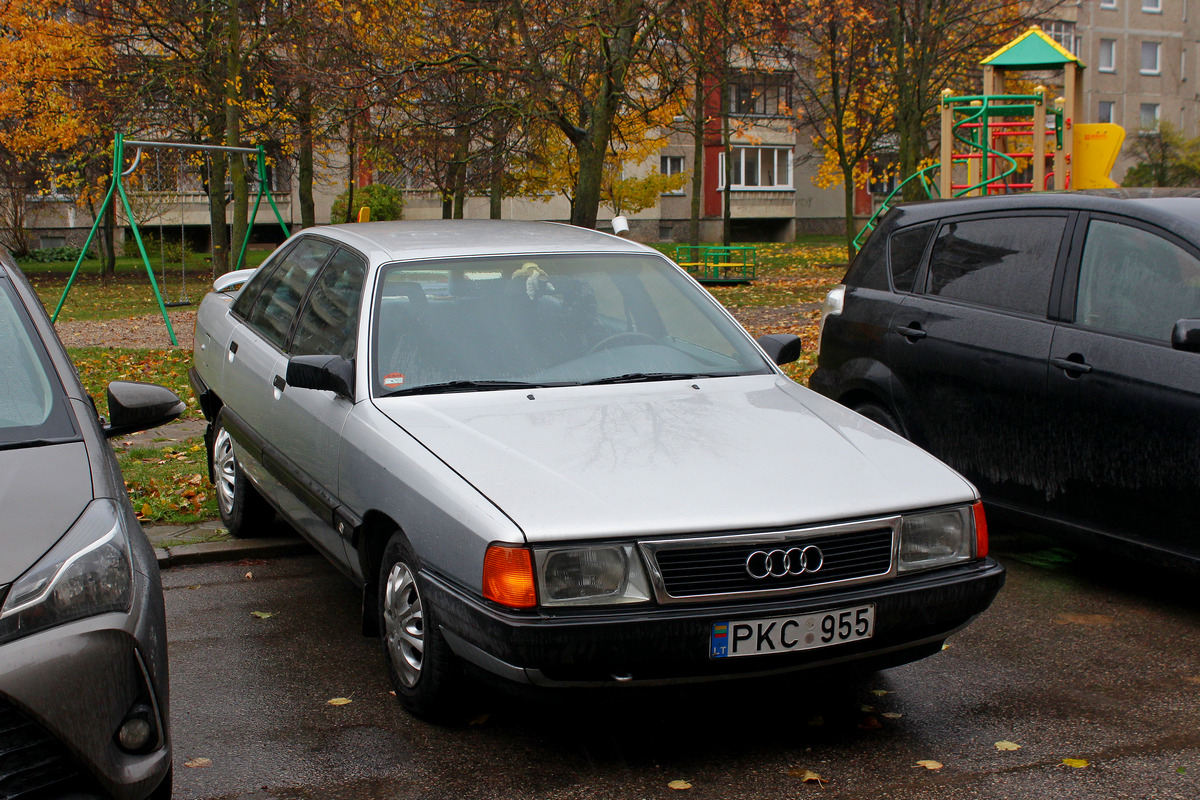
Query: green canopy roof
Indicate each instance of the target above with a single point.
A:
(1031, 50)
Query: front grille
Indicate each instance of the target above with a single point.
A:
(33, 764)
(720, 569)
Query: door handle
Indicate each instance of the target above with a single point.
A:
(911, 332)
(1071, 365)
(279, 383)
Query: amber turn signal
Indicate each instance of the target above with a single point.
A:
(508, 576)
(981, 539)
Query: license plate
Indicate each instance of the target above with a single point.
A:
(753, 637)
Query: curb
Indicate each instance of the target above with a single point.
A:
(210, 552)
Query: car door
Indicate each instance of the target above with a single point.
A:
(968, 349)
(255, 360)
(1125, 454)
(308, 422)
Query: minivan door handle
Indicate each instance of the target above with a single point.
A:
(1070, 364)
(911, 332)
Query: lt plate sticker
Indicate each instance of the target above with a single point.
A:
(733, 638)
(393, 379)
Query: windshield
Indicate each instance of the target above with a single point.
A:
(32, 407)
(474, 324)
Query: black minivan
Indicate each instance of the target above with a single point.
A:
(1046, 346)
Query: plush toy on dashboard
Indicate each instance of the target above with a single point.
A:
(534, 278)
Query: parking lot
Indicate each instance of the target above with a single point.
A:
(1089, 666)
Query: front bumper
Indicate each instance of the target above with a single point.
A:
(656, 645)
(68, 689)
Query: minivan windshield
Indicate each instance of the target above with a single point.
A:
(547, 320)
(32, 406)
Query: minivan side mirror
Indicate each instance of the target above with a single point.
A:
(134, 406)
(324, 373)
(1186, 335)
(783, 348)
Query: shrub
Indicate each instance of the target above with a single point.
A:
(384, 202)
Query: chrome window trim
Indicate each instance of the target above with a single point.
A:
(651, 548)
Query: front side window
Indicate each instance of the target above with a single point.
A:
(1002, 262)
(276, 304)
(547, 320)
(328, 323)
(1135, 282)
(759, 168)
(32, 405)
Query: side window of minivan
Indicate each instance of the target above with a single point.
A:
(904, 255)
(1002, 262)
(1134, 281)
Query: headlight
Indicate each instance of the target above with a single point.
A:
(585, 576)
(937, 538)
(835, 301)
(87, 573)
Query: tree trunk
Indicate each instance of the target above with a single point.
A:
(351, 178)
(233, 133)
(308, 206)
(699, 110)
(219, 233)
(848, 189)
(496, 195)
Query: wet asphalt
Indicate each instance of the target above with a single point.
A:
(1087, 660)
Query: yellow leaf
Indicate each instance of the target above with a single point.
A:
(930, 765)
(249, 575)
(339, 701)
(1007, 745)
(198, 762)
(146, 510)
(880, 692)
(679, 785)
(262, 614)
(1097, 620)
(806, 775)
(1077, 763)
(891, 715)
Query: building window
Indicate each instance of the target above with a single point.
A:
(1108, 4)
(1149, 116)
(671, 165)
(1105, 113)
(759, 168)
(760, 95)
(1063, 32)
(1150, 55)
(1152, 6)
(1108, 55)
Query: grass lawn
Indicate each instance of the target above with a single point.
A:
(170, 485)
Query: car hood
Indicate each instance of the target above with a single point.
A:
(723, 454)
(43, 490)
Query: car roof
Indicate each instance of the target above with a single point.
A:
(421, 239)
(1170, 208)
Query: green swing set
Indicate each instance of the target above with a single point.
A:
(117, 187)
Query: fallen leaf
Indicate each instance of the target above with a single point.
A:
(339, 701)
(1192, 679)
(880, 692)
(249, 575)
(866, 709)
(262, 614)
(930, 765)
(1094, 620)
(1077, 763)
(870, 724)
(479, 720)
(680, 785)
(1181, 770)
(891, 715)
(806, 775)
(198, 762)
(1007, 745)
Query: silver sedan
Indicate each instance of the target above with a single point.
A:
(547, 455)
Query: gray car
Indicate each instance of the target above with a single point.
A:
(548, 456)
(83, 650)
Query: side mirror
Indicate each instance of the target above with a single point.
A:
(783, 348)
(324, 373)
(1186, 335)
(134, 406)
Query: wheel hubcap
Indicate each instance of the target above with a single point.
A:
(224, 470)
(404, 624)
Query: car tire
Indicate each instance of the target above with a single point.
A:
(243, 510)
(424, 671)
(163, 790)
(879, 415)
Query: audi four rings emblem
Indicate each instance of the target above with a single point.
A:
(762, 564)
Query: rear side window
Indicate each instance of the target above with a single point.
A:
(1002, 262)
(1136, 282)
(904, 255)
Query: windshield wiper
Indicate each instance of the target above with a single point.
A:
(465, 386)
(646, 377)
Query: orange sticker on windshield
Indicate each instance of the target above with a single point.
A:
(393, 379)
